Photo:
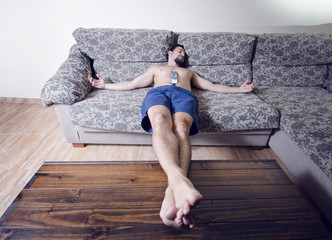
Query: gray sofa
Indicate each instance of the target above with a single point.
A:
(290, 109)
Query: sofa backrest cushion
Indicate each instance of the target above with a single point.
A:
(294, 49)
(206, 49)
(220, 57)
(124, 45)
(123, 54)
(231, 75)
(120, 71)
(289, 76)
(292, 59)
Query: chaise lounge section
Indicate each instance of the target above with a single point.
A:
(293, 74)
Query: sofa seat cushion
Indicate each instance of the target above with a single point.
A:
(232, 112)
(119, 111)
(306, 117)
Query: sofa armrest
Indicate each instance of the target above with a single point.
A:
(70, 83)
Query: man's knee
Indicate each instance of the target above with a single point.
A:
(161, 122)
(182, 129)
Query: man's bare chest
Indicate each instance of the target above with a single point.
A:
(167, 73)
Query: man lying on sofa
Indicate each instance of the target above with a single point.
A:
(171, 110)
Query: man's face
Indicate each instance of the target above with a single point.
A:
(178, 55)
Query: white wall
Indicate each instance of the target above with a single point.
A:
(36, 34)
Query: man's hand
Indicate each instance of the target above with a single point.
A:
(245, 87)
(97, 83)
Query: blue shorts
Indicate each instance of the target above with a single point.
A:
(176, 99)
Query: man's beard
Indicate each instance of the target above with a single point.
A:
(178, 62)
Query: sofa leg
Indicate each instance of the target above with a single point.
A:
(78, 145)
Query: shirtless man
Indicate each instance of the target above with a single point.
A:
(171, 111)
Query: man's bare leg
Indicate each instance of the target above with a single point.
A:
(181, 126)
(175, 161)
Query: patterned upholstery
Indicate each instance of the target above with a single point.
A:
(119, 111)
(328, 82)
(220, 57)
(233, 112)
(306, 117)
(289, 76)
(292, 59)
(124, 45)
(295, 68)
(120, 71)
(207, 49)
(70, 83)
(123, 54)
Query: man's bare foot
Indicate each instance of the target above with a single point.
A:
(168, 212)
(185, 196)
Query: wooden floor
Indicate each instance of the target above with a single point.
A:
(30, 135)
(243, 199)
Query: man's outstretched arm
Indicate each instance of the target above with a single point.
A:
(204, 84)
(141, 81)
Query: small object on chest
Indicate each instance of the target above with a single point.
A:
(174, 76)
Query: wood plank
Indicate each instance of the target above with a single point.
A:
(232, 165)
(155, 166)
(100, 166)
(100, 180)
(278, 230)
(106, 214)
(152, 194)
(20, 100)
(155, 178)
(238, 177)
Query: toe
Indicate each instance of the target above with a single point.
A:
(171, 213)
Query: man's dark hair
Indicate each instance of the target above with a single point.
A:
(185, 63)
(175, 46)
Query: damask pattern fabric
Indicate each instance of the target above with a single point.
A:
(231, 75)
(119, 111)
(328, 82)
(292, 59)
(294, 49)
(231, 112)
(220, 57)
(124, 45)
(289, 76)
(120, 71)
(306, 117)
(217, 48)
(70, 83)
